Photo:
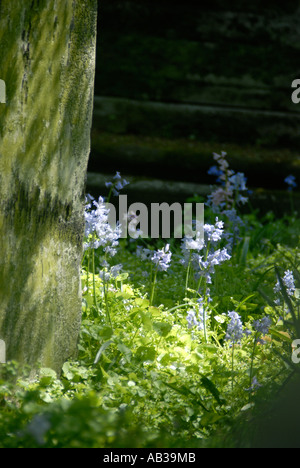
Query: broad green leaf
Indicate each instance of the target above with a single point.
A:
(142, 303)
(210, 418)
(124, 350)
(145, 353)
(106, 333)
(245, 250)
(47, 376)
(67, 370)
(283, 336)
(182, 390)
(146, 320)
(210, 386)
(101, 350)
(162, 328)
(122, 277)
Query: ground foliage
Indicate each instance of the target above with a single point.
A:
(174, 351)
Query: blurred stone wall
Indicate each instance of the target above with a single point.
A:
(177, 80)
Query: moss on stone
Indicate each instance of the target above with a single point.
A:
(48, 60)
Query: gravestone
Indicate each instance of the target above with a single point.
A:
(2, 352)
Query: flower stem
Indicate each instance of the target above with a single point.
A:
(88, 270)
(109, 194)
(94, 282)
(204, 324)
(204, 311)
(153, 287)
(232, 367)
(252, 359)
(188, 274)
(108, 317)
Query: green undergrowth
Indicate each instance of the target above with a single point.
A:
(142, 378)
(167, 359)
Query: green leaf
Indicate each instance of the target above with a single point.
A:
(142, 303)
(242, 303)
(283, 336)
(145, 353)
(210, 386)
(106, 333)
(47, 376)
(67, 370)
(182, 390)
(74, 372)
(165, 359)
(125, 350)
(146, 320)
(101, 350)
(122, 277)
(162, 328)
(210, 418)
(209, 349)
(245, 250)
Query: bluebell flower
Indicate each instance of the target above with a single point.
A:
(162, 258)
(115, 270)
(255, 385)
(207, 267)
(117, 185)
(289, 282)
(239, 181)
(262, 326)
(291, 182)
(192, 319)
(98, 231)
(197, 319)
(234, 332)
(214, 233)
(214, 171)
(193, 244)
(232, 184)
(143, 253)
(110, 272)
(197, 251)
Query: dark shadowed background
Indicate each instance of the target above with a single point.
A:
(179, 80)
